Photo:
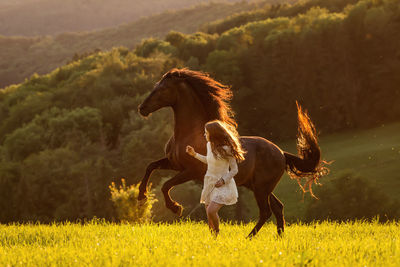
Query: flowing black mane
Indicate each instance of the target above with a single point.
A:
(214, 96)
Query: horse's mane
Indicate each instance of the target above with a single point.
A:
(213, 95)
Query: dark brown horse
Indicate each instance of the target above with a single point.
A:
(195, 98)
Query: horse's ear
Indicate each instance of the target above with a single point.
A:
(179, 77)
(178, 74)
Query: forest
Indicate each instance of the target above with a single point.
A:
(67, 135)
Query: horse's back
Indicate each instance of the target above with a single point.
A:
(261, 145)
(263, 159)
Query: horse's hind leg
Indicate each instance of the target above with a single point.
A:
(158, 164)
(262, 198)
(277, 209)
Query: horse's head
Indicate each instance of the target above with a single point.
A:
(164, 94)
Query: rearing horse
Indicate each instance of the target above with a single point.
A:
(195, 99)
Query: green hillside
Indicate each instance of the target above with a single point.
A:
(372, 154)
(20, 57)
(65, 136)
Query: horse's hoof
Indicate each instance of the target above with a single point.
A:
(250, 236)
(177, 209)
(280, 231)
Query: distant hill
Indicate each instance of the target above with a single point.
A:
(12, 3)
(43, 17)
(20, 57)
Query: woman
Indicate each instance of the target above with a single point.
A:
(223, 152)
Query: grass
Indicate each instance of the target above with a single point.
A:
(191, 244)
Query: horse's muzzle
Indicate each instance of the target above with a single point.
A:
(142, 111)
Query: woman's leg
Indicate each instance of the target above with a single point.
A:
(210, 224)
(212, 214)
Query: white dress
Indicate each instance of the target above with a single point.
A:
(226, 194)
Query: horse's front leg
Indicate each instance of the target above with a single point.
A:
(161, 164)
(180, 178)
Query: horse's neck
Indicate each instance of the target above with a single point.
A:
(189, 114)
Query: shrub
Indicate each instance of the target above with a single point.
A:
(127, 206)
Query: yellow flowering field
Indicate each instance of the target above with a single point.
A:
(191, 244)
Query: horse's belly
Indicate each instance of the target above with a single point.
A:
(263, 158)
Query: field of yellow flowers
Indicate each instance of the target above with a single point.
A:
(191, 244)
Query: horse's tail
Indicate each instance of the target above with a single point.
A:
(307, 164)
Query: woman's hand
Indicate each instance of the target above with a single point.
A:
(220, 183)
(190, 151)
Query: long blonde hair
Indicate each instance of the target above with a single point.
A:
(221, 134)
